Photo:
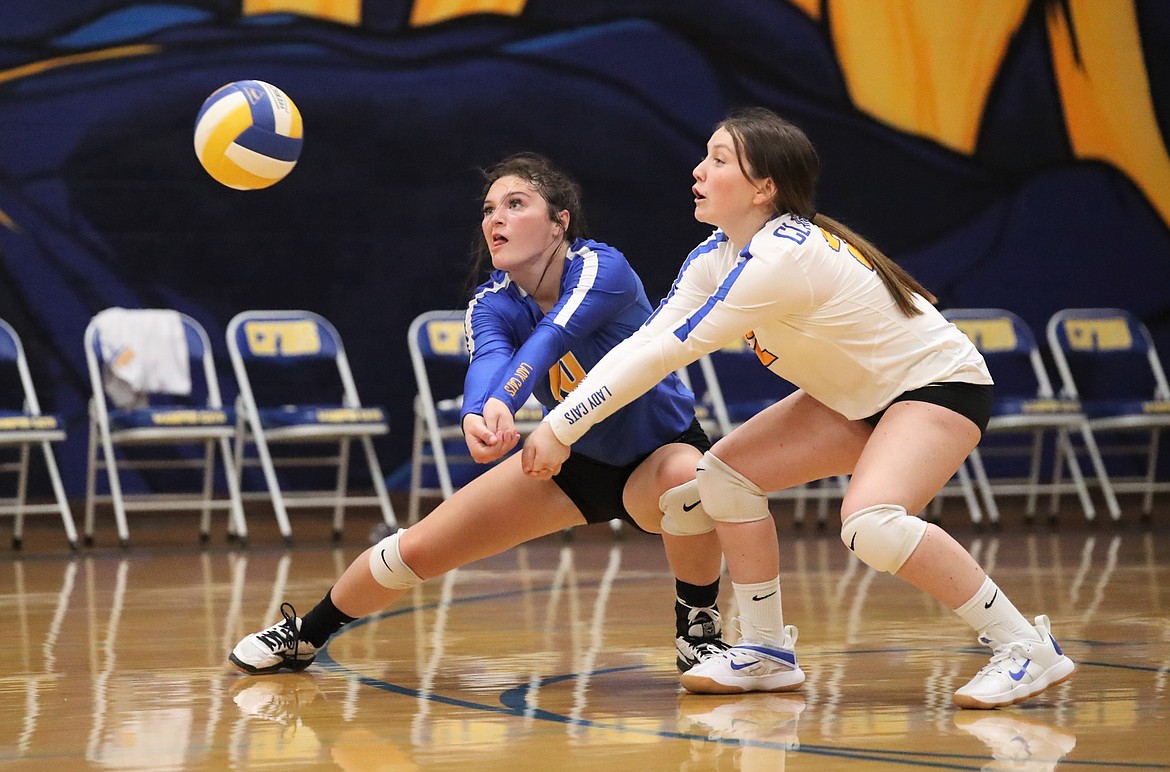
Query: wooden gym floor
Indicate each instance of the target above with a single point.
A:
(558, 655)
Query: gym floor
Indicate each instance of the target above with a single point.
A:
(558, 655)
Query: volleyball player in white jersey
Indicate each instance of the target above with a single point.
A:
(555, 303)
(888, 392)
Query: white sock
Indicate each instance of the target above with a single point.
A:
(760, 613)
(992, 615)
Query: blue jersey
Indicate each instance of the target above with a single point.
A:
(517, 350)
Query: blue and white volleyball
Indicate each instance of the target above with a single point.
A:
(248, 135)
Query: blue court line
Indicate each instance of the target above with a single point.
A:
(513, 702)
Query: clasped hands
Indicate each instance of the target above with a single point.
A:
(493, 435)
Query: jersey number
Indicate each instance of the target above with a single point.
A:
(564, 376)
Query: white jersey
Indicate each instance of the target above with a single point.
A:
(812, 308)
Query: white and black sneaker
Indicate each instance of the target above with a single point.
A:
(276, 648)
(703, 638)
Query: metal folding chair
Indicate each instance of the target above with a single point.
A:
(22, 426)
(157, 419)
(297, 391)
(1107, 359)
(1025, 404)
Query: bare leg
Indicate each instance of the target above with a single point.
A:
(693, 559)
(915, 449)
(795, 441)
(493, 513)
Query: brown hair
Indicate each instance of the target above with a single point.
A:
(769, 147)
(560, 192)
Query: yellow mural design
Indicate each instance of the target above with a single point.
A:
(1106, 94)
(341, 11)
(425, 12)
(811, 8)
(35, 68)
(921, 66)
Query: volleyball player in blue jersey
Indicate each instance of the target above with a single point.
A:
(553, 306)
(889, 392)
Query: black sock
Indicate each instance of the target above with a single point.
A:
(323, 621)
(691, 596)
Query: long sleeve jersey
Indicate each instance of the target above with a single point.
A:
(810, 305)
(518, 350)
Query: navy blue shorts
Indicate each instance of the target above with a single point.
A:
(970, 400)
(596, 488)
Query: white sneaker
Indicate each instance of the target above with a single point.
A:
(276, 648)
(1017, 671)
(748, 666)
(1017, 743)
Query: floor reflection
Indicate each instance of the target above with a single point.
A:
(558, 656)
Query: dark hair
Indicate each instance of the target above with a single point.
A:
(769, 147)
(560, 191)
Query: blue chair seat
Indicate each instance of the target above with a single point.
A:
(172, 418)
(288, 416)
(17, 421)
(1029, 406)
(1114, 408)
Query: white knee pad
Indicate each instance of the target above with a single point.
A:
(727, 495)
(682, 511)
(882, 536)
(387, 567)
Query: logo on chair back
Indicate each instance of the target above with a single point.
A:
(446, 338)
(1098, 334)
(989, 335)
(287, 338)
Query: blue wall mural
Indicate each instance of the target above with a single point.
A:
(1025, 200)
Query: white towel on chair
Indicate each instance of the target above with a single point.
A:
(145, 352)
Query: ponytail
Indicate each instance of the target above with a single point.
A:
(902, 285)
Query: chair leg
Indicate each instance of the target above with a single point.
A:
(417, 443)
(1074, 468)
(1151, 471)
(21, 494)
(266, 464)
(208, 482)
(388, 516)
(1034, 471)
(984, 484)
(342, 487)
(115, 487)
(90, 482)
(1102, 476)
(973, 509)
(237, 524)
(59, 493)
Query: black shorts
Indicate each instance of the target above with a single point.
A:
(596, 488)
(971, 400)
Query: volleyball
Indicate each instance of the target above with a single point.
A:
(248, 135)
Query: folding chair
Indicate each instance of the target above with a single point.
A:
(1026, 405)
(731, 386)
(22, 425)
(437, 341)
(1107, 359)
(297, 389)
(148, 415)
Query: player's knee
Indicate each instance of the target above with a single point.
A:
(883, 536)
(727, 495)
(682, 511)
(387, 566)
